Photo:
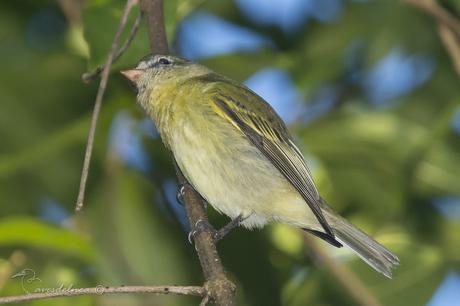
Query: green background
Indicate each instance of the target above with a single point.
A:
(381, 167)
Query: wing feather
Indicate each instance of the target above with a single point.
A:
(271, 137)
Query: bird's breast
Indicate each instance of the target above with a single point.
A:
(225, 168)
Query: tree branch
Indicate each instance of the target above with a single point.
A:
(101, 290)
(345, 277)
(448, 26)
(452, 45)
(438, 12)
(97, 104)
(204, 301)
(219, 288)
(153, 10)
(91, 76)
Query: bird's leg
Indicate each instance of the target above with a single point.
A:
(202, 225)
(227, 228)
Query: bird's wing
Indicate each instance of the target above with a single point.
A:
(263, 127)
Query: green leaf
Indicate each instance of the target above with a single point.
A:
(24, 231)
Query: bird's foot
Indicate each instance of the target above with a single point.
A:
(201, 226)
(204, 225)
(181, 193)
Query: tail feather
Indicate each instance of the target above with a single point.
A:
(326, 237)
(372, 252)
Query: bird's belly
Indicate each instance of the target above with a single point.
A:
(235, 178)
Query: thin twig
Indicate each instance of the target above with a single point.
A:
(346, 278)
(101, 290)
(204, 301)
(448, 26)
(97, 105)
(437, 11)
(452, 45)
(88, 77)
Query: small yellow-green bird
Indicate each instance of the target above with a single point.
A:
(238, 154)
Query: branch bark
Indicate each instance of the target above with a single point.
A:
(220, 289)
(452, 45)
(101, 290)
(438, 12)
(153, 10)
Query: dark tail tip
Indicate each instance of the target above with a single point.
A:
(326, 237)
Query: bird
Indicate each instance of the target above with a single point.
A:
(238, 154)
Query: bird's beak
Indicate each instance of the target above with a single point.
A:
(133, 74)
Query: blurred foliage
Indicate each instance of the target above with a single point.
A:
(381, 167)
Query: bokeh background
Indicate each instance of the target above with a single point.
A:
(366, 87)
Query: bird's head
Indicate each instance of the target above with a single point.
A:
(157, 77)
(155, 70)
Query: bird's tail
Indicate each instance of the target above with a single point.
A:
(372, 252)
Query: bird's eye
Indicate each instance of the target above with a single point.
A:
(164, 61)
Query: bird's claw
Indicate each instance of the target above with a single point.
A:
(216, 235)
(199, 227)
(181, 193)
(191, 235)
